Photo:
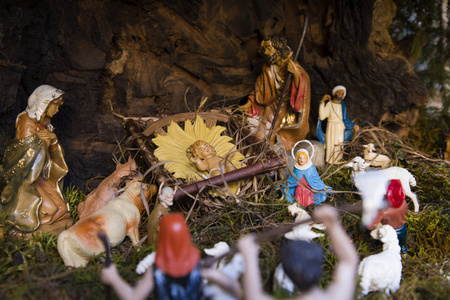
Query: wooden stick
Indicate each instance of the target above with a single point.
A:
(288, 80)
(260, 167)
(273, 234)
(105, 241)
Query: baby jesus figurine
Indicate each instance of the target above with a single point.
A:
(203, 155)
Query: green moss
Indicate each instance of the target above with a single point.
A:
(74, 196)
(33, 268)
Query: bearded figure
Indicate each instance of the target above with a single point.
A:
(292, 122)
(339, 127)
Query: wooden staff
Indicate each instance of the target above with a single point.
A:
(105, 241)
(260, 167)
(283, 94)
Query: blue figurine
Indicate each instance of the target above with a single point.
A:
(305, 179)
(339, 127)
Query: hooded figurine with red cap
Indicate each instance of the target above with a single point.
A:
(176, 273)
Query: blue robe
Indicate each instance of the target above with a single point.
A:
(314, 181)
(348, 126)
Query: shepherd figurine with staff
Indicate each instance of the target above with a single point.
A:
(281, 97)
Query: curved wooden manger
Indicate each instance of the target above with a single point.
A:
(247, 143)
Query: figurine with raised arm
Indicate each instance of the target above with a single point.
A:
(204, 156)
(292, 121)
(339, 127)
(34, 167)
(176, 273)
(304, 180)
(302, 261)
(394, 215)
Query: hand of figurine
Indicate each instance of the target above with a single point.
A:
(48, 137)
(109, 275)
(292, 68)
(195, 160)
(246, 106)
(326, 215)
(247, 245)
(355, 128)
(325, 98)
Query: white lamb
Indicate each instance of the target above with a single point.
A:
(382, 271)
(407, 180)
(300, 214)
(232, 269)
(375, 159)
(219, 249)
(358, 164)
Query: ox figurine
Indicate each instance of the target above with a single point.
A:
(119, 217)
(108, 189)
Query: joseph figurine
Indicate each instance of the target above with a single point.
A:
(292, 122)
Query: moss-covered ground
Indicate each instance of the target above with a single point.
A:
(33, 269)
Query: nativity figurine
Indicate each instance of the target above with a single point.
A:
(162, 208)
(108, 189)
(375, 159)
(197, 151)
(373, 184)
(302, 261)
(292, 122)
(394, 214)
(204, 156)
(118, 218)
(382, 271)
(305, 185)
(177, 272)
(339, 127)
(33, 169)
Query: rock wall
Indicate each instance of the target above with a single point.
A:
(140, 58)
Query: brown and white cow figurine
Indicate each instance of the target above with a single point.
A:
(118, 218)
(108, 189)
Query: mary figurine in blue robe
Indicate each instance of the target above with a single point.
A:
(305, 184)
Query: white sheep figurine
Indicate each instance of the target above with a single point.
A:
(407, 180)
(300, 214)
(219, 249)
(232, 269)
(382, 271)
(375, 159)
(358, 164)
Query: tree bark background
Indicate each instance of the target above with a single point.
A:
(140, 57)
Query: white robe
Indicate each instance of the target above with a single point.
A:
(334, 138)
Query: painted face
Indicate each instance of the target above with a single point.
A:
(302, 159)
(204, 150)
(340, 94)
(53, 107)
(270, 52)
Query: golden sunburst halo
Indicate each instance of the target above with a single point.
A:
(172, 147)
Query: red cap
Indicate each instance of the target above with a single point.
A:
(395, 193)
(175, 254)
